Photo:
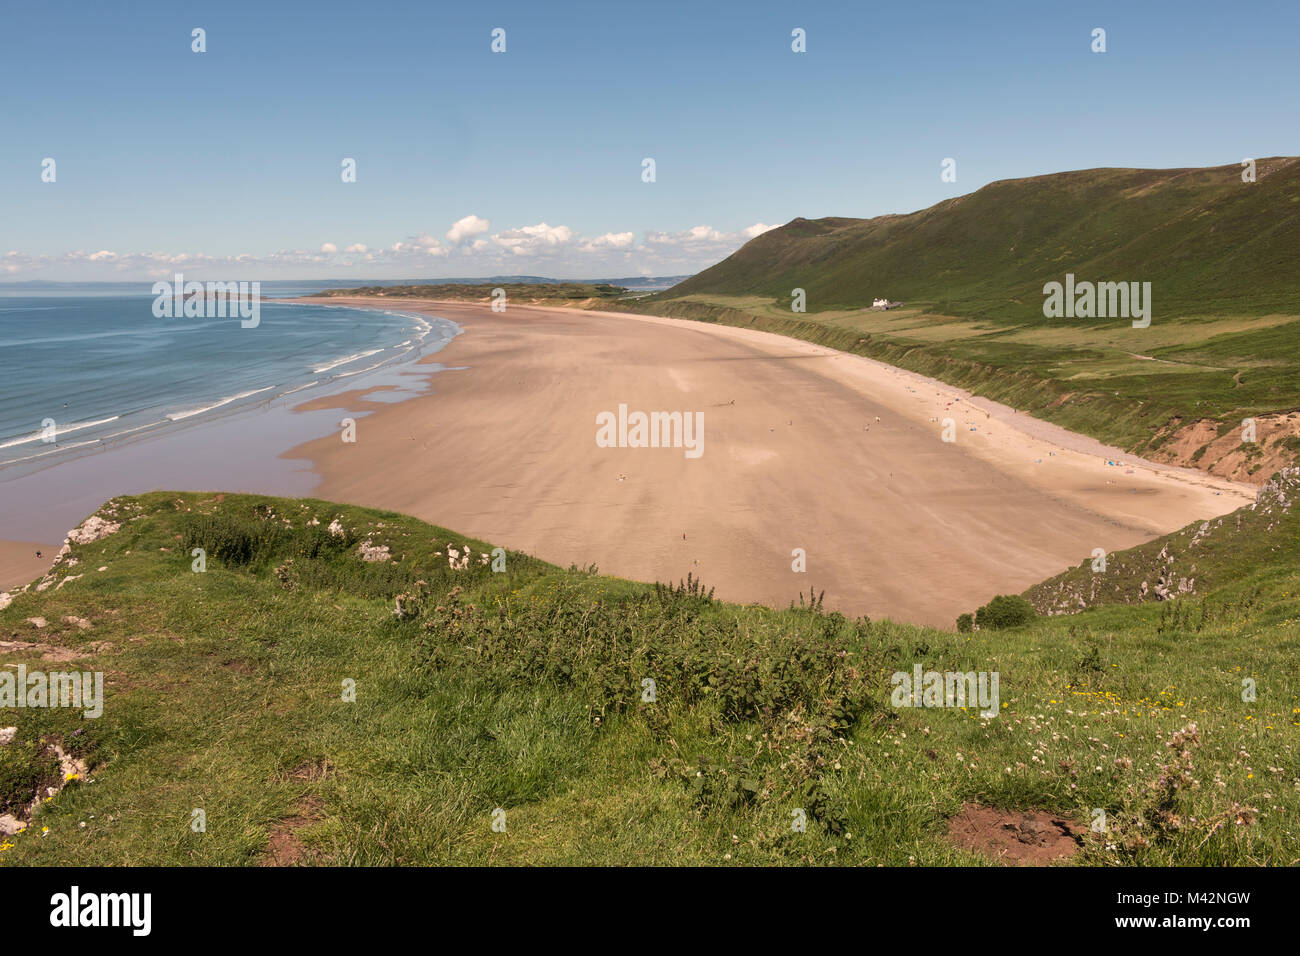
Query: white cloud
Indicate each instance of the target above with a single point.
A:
(610, 240)
(528, 239)
(692, 235)
(541, 249)
(470, 225)
(705, 234)
(424, 243)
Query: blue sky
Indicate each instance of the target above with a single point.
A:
(227, 163)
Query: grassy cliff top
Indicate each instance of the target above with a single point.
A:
(613, 722)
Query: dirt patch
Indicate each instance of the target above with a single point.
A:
(1019, 838)
(283, 847)
(312, 770)
(51, 652)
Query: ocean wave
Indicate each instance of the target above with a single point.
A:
(360, 371)
(67, 429)
(130, 431)
(52, 451)
(149, 332)
(177, 416)
(344, 361)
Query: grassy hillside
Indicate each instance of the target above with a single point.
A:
(525, 691)
(1208, 243)
(1258, 544)
(1224, 339)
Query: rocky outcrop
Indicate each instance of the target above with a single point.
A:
(1178, 564)
(92, 529)
(369, 551)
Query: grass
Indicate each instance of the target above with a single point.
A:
(526, 691)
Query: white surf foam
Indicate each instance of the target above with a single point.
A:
(344, 361)
(66, 429)
(177, 416)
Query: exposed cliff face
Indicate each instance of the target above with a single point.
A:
(1219, 448)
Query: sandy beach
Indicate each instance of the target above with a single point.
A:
(19, 563)
(803, 448)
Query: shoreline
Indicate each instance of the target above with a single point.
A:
(912, 528)
(28, 454)
(805, 447)
(223, 446)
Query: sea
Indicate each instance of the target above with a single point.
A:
(90, 378)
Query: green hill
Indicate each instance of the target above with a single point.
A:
(1223, 342)
(1207, 242)
(598, 720)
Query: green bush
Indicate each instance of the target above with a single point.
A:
(1005, 610)
(793, 676)
(235, 540)
(965, 624)
(241, 540)
(24, 768)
